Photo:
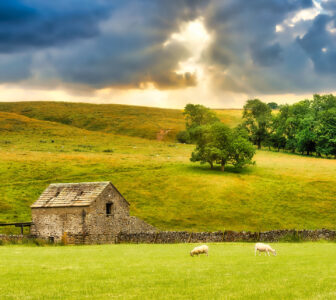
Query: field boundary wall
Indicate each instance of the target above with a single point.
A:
(172, 237)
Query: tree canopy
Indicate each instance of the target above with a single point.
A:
(218, 144)
(256, 120)
(308, 126)
(215, 142)
(195, 115)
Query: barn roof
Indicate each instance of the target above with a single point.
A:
(71, 194)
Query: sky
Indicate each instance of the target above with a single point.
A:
(167, 53)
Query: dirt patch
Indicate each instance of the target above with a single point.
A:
(162, 134)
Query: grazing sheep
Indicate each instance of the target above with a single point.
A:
(204, 249)
(263, 248)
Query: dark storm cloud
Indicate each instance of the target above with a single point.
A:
(320, 44)
(100, 43)
(37, 24)
(267, 55)
(248, 47)
(129, 49)
(14, 68)
(120, 43)
(14, 11)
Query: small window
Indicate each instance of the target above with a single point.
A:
(57, 194)
(108, 208)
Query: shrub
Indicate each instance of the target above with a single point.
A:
(183, 137)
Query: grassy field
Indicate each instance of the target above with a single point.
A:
(299, 271)
(162, 185)
(145, 122)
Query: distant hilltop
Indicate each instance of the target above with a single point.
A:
(138, 121)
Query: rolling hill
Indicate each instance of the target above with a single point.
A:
(145, 122)
(157, 178)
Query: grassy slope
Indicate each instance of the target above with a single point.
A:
(300, 271)
(137, 121)
(163, 187)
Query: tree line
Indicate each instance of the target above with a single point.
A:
(306, 127)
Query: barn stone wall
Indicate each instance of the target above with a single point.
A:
(53, 222)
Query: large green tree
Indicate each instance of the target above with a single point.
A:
(256, 119)
(219, 144)
(196, 115)
(325, 112)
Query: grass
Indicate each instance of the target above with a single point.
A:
(164, 188)
(299, 271)
(162, 185)
(145, 122)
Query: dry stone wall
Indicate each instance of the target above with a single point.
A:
(170, 237)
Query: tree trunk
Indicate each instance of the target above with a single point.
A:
(222, 167)
(211, 164)
(259, 144)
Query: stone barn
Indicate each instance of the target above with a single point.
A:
(87, 212)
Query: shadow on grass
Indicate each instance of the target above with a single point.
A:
(288, 152)
(206, 170)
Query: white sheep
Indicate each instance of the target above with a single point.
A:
(204, 249)
(263, 248)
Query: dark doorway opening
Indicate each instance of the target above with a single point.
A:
(108, 209)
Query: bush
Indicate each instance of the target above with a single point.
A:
(183, 137)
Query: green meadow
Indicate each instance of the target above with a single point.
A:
(281, 191)
(299, 271)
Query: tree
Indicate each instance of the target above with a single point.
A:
(276, 137)
(183, 137)
(273, 105)
(197, 115)
(217, 143)
(306, 136)
(204, 151)
(257, 117)
(242, 151)
(325, 113)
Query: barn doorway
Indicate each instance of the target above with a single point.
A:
(108, 209)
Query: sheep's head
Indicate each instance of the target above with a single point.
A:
(274, 253)
(191, 253)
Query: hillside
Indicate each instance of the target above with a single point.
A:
(145, 122)
(162, 185)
